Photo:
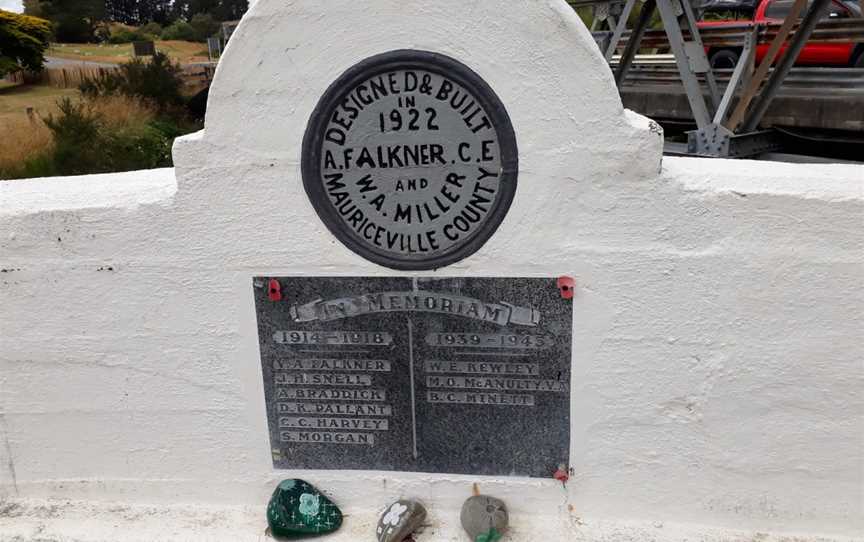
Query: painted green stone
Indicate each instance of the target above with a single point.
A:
(297, 509)
(492, 535)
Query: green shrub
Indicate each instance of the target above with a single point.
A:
(171, 129)
(124, 35)
(137, 147)
(84, 143)
(41, 165)
(179, 30)
(77, 139)
(157, 81)
(151, 29)
(102, 33)
(205, 26)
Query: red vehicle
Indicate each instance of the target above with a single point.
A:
(814, 53)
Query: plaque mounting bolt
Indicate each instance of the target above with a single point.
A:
(562, 474)
(274, 290)
(567, 286)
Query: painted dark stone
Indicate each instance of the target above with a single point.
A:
(410, 160)
(450, 375)
(297, 509)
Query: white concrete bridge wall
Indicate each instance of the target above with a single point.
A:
(717, 367)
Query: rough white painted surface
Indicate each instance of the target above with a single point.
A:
(71, 521)
(118, 190)
(717, 340)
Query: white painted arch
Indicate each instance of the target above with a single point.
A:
(717, 359)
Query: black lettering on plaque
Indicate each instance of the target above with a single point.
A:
(410, 160)
(452, 375)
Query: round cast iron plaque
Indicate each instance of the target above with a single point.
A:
(410, 160)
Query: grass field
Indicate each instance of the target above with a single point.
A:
(28, 146)
(183, 52)
(23, 136)
(15, 99)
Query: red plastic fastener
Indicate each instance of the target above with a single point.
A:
(275, 290)
(561, 474)
(567, 286)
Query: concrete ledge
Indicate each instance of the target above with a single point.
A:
(829, 182)
(118, 190)
(79, 521)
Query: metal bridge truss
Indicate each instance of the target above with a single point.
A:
(722, 131)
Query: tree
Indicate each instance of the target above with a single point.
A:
(122, 11)
(221, 10)
(157, 81)
(204, 25)
(139, 12)
(179, 30)
(23, 40)
(73, 20)
(36, 8)
(152, 29)
(158, 11)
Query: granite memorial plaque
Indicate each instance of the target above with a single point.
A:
(452, 375)
(410, 160)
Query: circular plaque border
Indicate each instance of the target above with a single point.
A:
(442, 65)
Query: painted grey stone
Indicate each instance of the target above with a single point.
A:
(400, 520)
(462, 375)
(484, 518)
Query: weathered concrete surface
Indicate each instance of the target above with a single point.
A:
(76, 521)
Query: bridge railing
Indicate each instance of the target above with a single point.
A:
(841, 31)
(801, 80)
(727, 121)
